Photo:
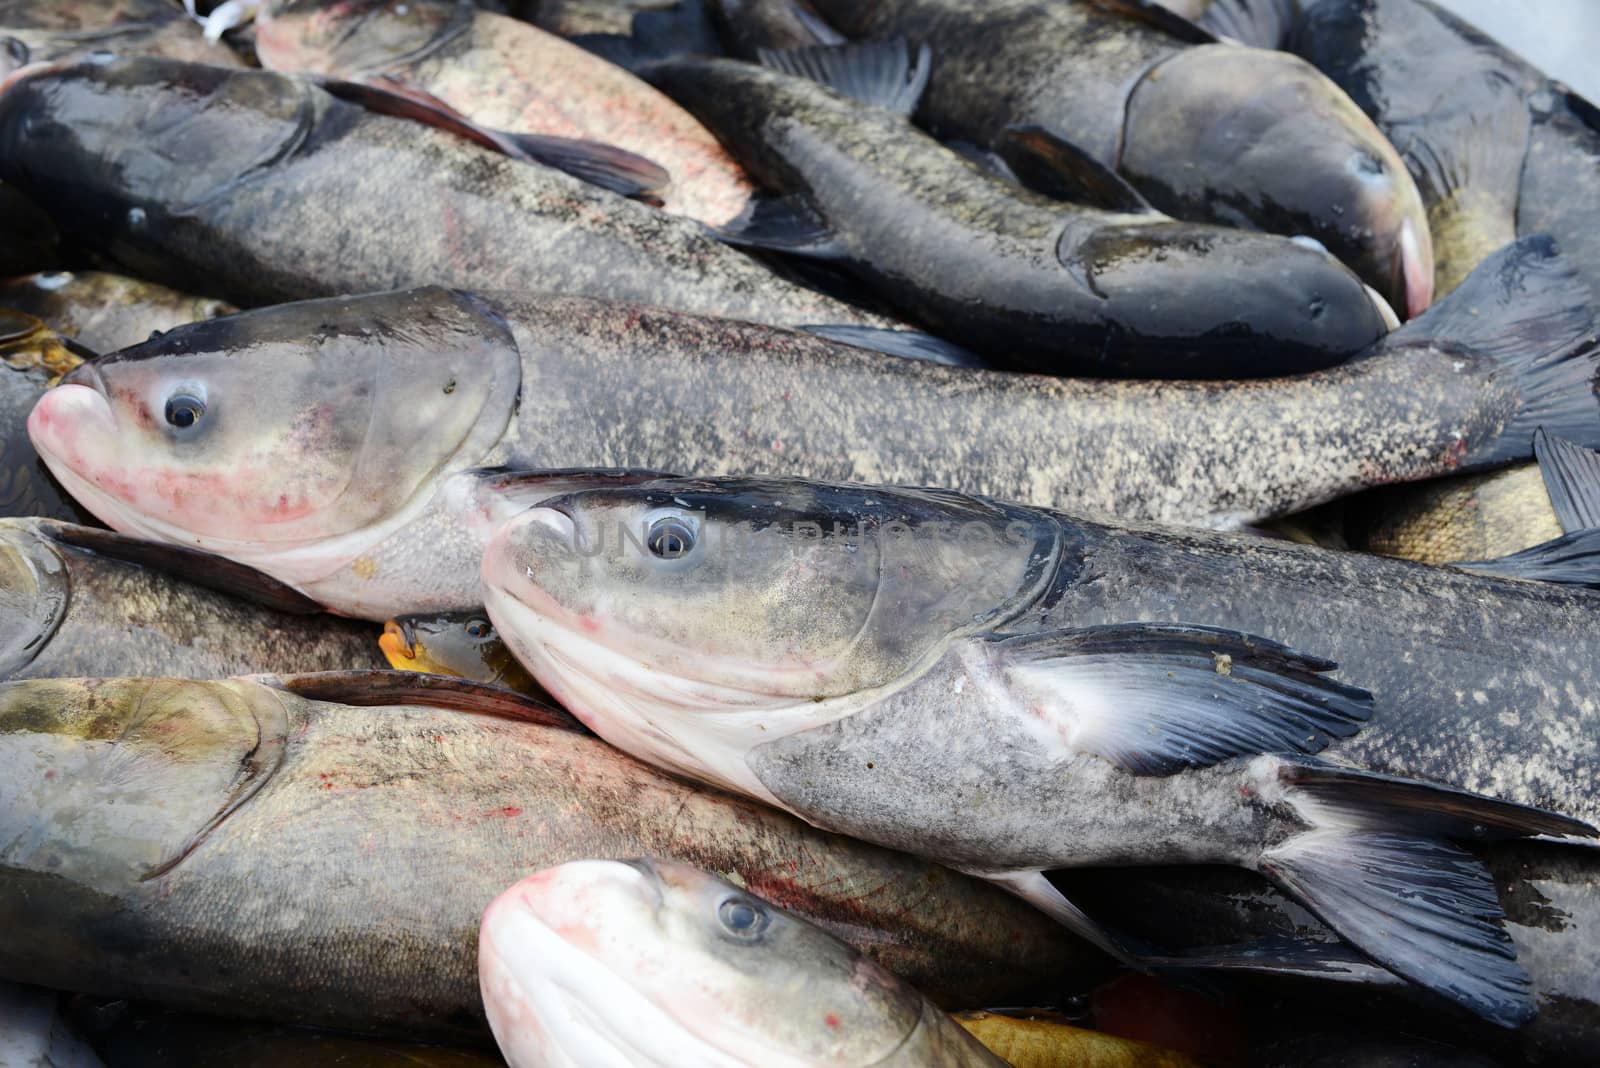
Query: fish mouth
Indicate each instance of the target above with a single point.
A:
(398, 643)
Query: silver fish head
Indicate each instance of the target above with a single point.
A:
(282, 429)
(652, 609)
(616, 957)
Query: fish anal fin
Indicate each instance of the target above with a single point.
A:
(908, 344)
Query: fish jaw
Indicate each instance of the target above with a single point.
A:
(547, 955)
(1416, 267)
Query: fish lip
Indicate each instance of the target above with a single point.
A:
(1415, 269)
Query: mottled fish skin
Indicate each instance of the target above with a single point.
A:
(70, 29)
(345, 887)
(93, 615)
(1550, 893)
(575, 18)
(1473, 517)
(1031, 283)
(287, 192)
(105, 311)
(1488, 685)
(1151, 104)
(508, 75)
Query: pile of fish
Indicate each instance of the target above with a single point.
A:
(717, 533)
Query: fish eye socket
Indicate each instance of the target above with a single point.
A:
(742, 918)
(479, 629)
(1366, 164)
(184, 410)
(670, 538)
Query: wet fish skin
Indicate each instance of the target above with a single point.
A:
(105, 311)
(508, 75)
(656, 390)
(574, 958)
(461, 644)
(70, 29)
(70, 611)
(33, 1035)
(1473, 517)
(30, 241)
(401, 823)
(1146, 102)
(287, 193)
(1032, 283)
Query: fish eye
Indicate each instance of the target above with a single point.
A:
(184, 410)
(670, 538)
(17, 50)
(479, 629)
(742, 918)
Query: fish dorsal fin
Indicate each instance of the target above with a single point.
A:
(1572, 478)
(192, 565)
(1158, 698)
(606, 166)
(1163, 18)
(889, 74)
(1049, 164)
(376, 688)
(781, 224)
(908, 344)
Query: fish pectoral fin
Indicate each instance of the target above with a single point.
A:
(989, 162)
(1158, 698)
(385, 688)
(1049, 164)
(1379, 868)
(607, 166)
(888, 74)
(781, 224)
(1154, 14)
(202, 568)
(910, 344)
(603, 165)
(1572, 478)
(1570, 560)
(1036, 889)
(1281, 955)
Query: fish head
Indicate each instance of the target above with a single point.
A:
(125, 147)
(1263, 140)
(655, 962)
(34, 593)
(1214, 293)
(461, 644)
(352, 37)
(285, 427)
(106, 783)
(651, 610)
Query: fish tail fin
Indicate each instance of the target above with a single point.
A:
(1570, 560)
(1526, 310)
(1379, 867)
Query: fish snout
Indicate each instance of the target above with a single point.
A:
(67, 413)
(1414, 267)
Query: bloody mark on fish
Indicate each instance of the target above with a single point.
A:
(832, 1021)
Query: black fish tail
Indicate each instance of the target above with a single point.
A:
(1530, 313)
(1379, 868)
(1570, 560)
(1572, 478)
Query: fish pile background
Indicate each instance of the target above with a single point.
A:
(710, 533)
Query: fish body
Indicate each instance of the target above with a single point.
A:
(1473, 517)
(373, 504)
(105, 311)
(71, 29)
(1035, 283)
(509, 75)
(314, 862)
(33, 1035)
(1207, 132)
(76, 601)
(656, 963)
(1009, 690)
(286, 192)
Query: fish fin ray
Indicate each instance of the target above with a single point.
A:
(1572, 478)
(1570, 560)
(1037, 890)
(1156, 699)
(1527, 310)
(909, 344)
(989, 162)
(379, 687)
(1049, 164)
(781, 224)
(889, 74)
(214, 572)
(607, 166)
(1281, 955)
